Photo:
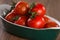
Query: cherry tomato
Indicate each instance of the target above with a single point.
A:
(21, 20)
(36, 22)
(51, 24)
(21, 8)
(10, 15)
(46, 19)
(39, 9)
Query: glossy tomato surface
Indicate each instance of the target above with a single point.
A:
(39, 9)
(21, 8)
(51, 24)
(36, 22)
(21, 20)
(10, 16)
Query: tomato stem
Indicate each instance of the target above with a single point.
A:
(15, 18)
(32, 5)
(33, 14)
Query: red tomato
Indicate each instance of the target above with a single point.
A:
(10, 15)
(21, 8)
(46, 19)
(21, 20)
(51, 24)
(39, 9)
(36, 22)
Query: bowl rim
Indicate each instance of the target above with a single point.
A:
(35, 28)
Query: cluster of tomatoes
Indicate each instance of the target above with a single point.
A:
(30, 16)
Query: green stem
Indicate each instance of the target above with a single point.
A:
(33, 14)
(32, 5)
(15, 18)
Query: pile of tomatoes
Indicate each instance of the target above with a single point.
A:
(30, 16)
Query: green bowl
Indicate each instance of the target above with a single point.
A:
(31, 33)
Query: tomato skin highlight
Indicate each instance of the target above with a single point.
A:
(10, 15)
(21, 20)
(21, 8)
(36, 22)
(39, 9)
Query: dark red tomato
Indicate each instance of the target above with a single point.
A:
(51, 24)
(21, 8)
(21, 20)
(10, 15)
(36, 22)
(46, 19)
(39, 9)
